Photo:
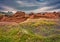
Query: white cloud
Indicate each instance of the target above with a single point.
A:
(25, 4)
(43, 9)
(22, 3)
(7, 8)
(56, 10)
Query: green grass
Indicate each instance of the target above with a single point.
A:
(39, 31)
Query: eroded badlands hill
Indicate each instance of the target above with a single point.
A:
(22, 16)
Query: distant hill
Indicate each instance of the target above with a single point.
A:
(7, 13)
(20, 16)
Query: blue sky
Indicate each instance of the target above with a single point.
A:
(30, 5)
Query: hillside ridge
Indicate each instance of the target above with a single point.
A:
(20, 16)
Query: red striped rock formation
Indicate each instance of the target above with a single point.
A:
(22, 16)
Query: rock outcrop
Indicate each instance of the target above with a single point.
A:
(20, 16)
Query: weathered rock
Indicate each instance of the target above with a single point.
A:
(22, 16)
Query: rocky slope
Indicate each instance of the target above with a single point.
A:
(20, 16)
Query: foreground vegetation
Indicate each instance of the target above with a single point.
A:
(39, 31)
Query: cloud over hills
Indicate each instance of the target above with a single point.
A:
(30, 5)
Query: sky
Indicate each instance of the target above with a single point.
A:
(30, 5)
